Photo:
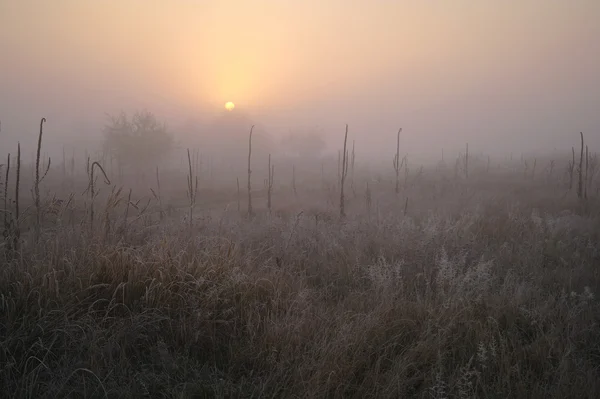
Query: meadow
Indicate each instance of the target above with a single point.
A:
(472, 278)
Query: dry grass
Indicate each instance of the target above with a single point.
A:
(484, 289)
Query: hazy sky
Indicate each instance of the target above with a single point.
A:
(488, 71)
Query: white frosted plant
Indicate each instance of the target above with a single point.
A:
(431, 227)
(446, 270)
(577, 301)
(493, 347)
(532, 315)
(567, 222)
(587, 295)
(439, 390)
(466, 382)
(384, 274)
(237, 276)
(482, 354)
(537, 221)
(477, 280)
(455, 280)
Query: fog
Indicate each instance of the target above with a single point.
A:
(510, 76)
(300, 198)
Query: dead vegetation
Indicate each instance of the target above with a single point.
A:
(477, 288)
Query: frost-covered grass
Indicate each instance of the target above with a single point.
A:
(489, 296)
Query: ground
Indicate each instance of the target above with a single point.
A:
(473, 288)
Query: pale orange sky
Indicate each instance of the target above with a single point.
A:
(444, 70)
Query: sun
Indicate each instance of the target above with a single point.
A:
(229, 106)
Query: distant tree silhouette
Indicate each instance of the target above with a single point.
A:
(138, 142)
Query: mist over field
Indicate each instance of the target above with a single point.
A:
(505, 76)
(299, 199)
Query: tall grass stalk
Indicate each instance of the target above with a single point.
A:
(192, 189)
(36, 187)
(6, 211)
(344, 173)
(580, 170)
(93, 190)
(396, 163)
(250, 172)
(271, 170)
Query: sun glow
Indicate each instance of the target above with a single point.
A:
(229, 106)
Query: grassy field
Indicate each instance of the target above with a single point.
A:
(455, 288)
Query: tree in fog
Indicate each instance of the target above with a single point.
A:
(137, 142)
(304, 143)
